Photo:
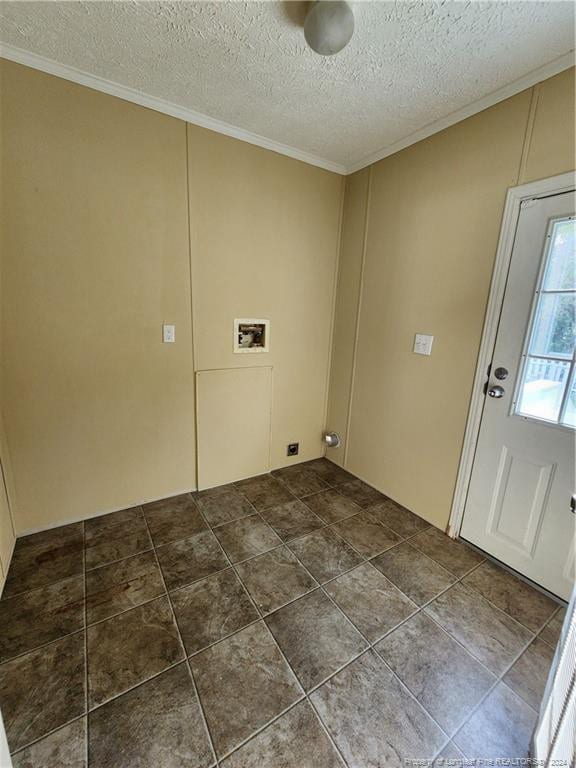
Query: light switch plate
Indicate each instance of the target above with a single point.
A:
(168, 334)
(423, 344)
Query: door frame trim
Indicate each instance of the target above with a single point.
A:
(515, 196)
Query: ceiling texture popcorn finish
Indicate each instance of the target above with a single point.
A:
(243, 68)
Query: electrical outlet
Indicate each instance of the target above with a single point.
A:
(292, 449)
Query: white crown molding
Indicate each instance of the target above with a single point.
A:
(527, 81)
(28, 59)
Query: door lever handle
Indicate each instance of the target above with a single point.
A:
(496, 391)
(573, 504)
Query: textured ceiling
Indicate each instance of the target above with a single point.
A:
(246, 63)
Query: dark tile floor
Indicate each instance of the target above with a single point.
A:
(295, 620)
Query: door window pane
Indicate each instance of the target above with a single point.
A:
(555, 325)
(543, 388)
(561, 269)
(548, 385)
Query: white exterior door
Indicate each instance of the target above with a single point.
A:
(518, 506)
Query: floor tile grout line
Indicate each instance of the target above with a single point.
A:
(262, 728)
(487, 599)
(364, 562)
(361, 508)
(329, 486)
(180, 587)
(509, 687)
(327, 732)
(265, 614)
(126, 610)
(119, 560)
(332, 525)
(300, 497)
(294, 497)
(497, 607)
(48, 584)
(50, 733)
(258, 619)
(186, 659)
(289, 541)
(89, 626)
(306, 693)
(140, 552)
(203, 714)
(491, 672)
(183, 646)
(295, 537)
(136, 685)
(43, 646)
(543, 625)
(371, 647)
(261, 618)
(85, 607)
(5, 598)
(84, 715)
(287, 544)
(275, 641)
(534, 633)
(452, 637)
(278, 717)
(499, 680)
(436, 562)
(157, 674)
(356, 657)
(556, 612)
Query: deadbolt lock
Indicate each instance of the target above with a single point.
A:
(501, 374)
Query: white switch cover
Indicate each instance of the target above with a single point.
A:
(423, 344)
(168, 334)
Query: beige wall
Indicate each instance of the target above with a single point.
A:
(550, 140)
(120, 219)
(98, 412)
(264, 244)
(433, 221)
(7, 528)
(357, 189)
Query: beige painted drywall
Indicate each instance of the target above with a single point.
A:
(99, 414)
(552, 143)
(346, 310)
(432, 228)
(97, 245)
(233, 423)
(96, 256)
(7, 533)
(264, 244)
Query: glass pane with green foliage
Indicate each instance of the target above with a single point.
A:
(554, 331)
